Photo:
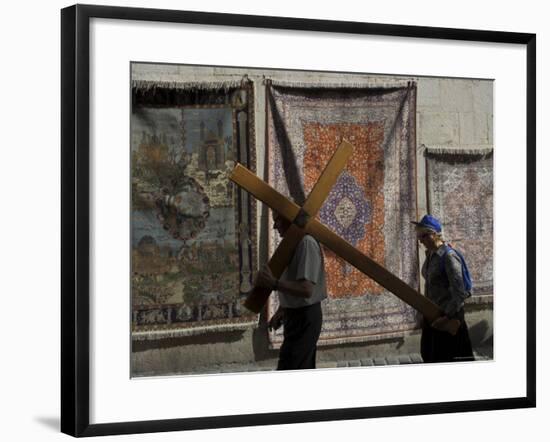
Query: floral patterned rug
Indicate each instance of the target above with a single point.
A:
(460, 194)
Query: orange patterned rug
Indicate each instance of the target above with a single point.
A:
(371, 204)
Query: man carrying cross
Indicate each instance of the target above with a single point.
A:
(301, 289)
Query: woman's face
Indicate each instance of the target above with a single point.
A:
(427, 238)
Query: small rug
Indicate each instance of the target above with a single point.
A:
(460, 194)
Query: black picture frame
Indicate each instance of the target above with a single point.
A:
(75, 212)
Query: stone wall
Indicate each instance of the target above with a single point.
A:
(450, 112)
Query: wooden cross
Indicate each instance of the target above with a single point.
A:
(303, 222)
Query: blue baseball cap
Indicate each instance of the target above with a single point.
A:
(429, 222)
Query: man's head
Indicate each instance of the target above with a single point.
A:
(280, 224)
(429, 232)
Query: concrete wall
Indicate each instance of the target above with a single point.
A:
(450, 112)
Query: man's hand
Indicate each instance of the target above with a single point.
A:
(265, 278)
(276, 320)
(447, 325)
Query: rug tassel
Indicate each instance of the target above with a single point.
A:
(456, 150)
(356, 85)
(152, 335)
(149, 85)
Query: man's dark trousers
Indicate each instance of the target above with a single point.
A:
(302, 327)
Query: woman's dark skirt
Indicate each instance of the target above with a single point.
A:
(440, 346)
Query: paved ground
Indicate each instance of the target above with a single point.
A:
(413, 358)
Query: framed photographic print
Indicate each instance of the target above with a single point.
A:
(372, 166)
